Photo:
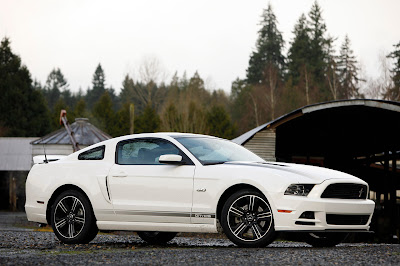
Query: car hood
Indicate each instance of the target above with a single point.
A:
(304, 173)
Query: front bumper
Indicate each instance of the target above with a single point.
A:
(321, 207)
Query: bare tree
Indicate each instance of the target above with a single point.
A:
(151, 90)
(376, 88)
(272, 89)
(254, 108)
(151, 70)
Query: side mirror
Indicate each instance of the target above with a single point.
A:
(170, 159)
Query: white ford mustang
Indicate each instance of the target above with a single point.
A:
(162, 183)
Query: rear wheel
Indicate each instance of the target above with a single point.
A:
(156, 238)
(323, 240)
(247, 219)
(72, 218)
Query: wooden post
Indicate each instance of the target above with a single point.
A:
(13, 192)
(393, 197)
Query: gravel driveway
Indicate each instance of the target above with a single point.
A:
(43, 248)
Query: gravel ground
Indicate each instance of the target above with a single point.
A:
(23, 247)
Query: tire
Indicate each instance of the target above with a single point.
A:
(72, 218)
(156, 238)
(247, 219)
(324, 240)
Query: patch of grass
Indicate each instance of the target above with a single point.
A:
(44, 229)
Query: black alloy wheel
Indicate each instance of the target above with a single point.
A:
(72, 218)
(247, 219)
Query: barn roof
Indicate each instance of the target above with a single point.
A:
(84, 132)
(382, 104)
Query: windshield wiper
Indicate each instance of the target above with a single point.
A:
(214, 163)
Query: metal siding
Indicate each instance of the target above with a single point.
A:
(263, 144)
(15, 154)
(53, 149)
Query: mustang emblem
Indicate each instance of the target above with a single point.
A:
(361, 192)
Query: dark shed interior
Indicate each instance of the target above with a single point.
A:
(360, 139)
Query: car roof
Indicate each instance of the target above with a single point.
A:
(157, 135)
(166, 134)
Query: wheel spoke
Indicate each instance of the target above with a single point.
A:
(80, 220)
(251, 202)
(61, 223)
(71, 230)
(63, 208)
(263, 215)
(256, 230)
(236, 211)
(74, 205)
(240, 229)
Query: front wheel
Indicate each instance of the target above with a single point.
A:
(247, 219)
(72, 218)
(156, 238)
(323, 240)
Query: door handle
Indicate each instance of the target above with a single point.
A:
(120, 174)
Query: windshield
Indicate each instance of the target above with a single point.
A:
(216, 151)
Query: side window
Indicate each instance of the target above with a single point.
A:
(143, 151)
(93, 154)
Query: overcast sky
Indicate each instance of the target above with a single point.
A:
(215, 37)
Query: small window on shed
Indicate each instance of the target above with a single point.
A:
(93, 154)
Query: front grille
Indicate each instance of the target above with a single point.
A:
(339, 219)
(345, 191)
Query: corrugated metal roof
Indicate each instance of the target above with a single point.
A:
(388, 105)
(85, 134)
(15, 154)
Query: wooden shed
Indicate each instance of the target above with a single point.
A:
(59, 142)
(360, 137)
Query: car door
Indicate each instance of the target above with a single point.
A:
(144, 190)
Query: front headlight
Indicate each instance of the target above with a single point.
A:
(299, 189)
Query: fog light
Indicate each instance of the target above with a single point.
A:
(307, 215)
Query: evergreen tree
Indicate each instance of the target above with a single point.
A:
(80, 109)
(242, 109)
(196, 90)
(147, 122)
(122, 121)
(319, 45)
(98, 87)
(268, 49)
(56, 87)
(393, 93)
(348, 72)
(183, 82)
(135, 93)
(23, 112)
(127, 91)
(104, 114)
(299, 51)
(219, 124)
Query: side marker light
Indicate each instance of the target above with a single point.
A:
(284, 211)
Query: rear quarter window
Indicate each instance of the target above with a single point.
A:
(93, 154)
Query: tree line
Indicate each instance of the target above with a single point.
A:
(312, 71)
